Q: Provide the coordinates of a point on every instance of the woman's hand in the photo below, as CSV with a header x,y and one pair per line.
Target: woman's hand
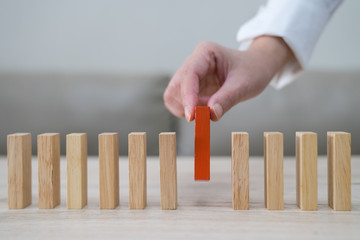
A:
x,y
221,77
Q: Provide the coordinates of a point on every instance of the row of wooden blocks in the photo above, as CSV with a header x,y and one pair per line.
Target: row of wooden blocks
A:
x,y
339,170
19,170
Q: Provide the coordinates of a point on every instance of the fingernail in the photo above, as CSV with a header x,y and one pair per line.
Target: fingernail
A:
x,y
187,114
217,110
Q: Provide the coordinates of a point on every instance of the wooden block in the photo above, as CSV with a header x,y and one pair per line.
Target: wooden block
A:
x,y
76,158
339,170
137,170
306,170
19,170
202,143
274,176
240,170
109,170
168,173
49,170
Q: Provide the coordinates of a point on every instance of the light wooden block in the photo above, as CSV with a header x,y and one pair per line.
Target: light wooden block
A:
x,y
49,170
168,172
240,170
109,170
339,170
76,159
306,170
273,165
19,170
137,170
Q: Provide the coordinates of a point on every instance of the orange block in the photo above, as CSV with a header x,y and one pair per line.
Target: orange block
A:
x,y
202,143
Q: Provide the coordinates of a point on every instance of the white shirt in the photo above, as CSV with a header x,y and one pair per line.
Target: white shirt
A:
x,y
298,22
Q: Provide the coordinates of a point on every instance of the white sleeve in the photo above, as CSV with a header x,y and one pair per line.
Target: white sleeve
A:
x,y
298,22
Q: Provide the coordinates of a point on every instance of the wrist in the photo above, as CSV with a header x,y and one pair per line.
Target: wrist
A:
x,y
271,52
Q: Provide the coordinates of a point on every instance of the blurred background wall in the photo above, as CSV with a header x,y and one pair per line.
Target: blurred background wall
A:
x,y
146,36
93,40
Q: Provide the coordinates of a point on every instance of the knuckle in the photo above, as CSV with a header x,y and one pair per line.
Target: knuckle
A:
x,y
205,46
167,96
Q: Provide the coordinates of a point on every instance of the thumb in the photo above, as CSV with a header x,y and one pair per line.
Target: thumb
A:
x,y
224,99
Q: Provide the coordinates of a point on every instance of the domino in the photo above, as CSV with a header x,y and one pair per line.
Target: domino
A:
x,y
109,170
306,170
76,159
49,170
19,170
273,173
339,170
202,143
137,170
240,170
168,173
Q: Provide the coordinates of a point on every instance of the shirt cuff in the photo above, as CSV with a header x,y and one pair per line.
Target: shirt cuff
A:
x,y
298,22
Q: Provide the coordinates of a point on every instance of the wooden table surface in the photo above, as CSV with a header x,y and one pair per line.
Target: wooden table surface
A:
x,y
204,209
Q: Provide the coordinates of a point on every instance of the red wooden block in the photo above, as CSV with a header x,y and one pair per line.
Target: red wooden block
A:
x,y
202,143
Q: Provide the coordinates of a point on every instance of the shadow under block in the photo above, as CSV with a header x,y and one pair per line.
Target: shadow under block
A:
x,y
202,143
19,170
76,162
273,170
240,170
49,170
137,170
168,172
109,170
306,170
339,170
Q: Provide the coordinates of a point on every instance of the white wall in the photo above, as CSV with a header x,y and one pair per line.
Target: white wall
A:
x,y
143,36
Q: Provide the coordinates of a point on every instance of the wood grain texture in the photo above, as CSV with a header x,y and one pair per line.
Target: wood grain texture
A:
x,y
137,170
306,170
19,170
202,143
168,172
240,170
339,170
109,170
273,170
76,161
204,208
49,170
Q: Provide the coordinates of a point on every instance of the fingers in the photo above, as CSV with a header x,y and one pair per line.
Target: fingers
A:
x,y
195,69
172,99
189,95
172,104
182,95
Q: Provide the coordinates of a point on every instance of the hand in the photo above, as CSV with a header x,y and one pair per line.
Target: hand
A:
x,y
221,77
